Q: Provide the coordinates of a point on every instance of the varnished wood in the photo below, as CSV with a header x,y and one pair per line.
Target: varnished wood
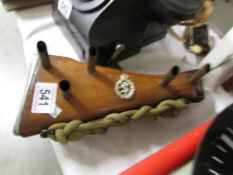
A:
x,y
228,84
93,95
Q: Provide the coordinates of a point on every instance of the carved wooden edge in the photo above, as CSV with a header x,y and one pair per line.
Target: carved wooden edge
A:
x,y
16,128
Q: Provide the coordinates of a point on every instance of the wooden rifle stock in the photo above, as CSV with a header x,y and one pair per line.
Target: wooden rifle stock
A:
x,y
93,95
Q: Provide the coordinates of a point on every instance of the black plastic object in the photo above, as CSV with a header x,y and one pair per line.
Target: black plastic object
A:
x,y
199,36
105,24
215,153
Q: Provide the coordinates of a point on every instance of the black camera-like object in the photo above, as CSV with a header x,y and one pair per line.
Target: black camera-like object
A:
x,y
120,28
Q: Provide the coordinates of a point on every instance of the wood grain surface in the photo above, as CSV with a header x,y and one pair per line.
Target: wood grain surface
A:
x,y
93,95
228,84
10,5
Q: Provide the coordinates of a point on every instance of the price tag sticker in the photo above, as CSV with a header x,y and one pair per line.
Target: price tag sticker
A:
x,y
56,112
65,8
44,99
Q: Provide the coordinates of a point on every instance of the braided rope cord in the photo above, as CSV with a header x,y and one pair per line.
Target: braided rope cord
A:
x,y
74,130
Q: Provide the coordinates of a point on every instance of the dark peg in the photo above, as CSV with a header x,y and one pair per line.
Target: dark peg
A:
x,y
92,60
43,53
64,85
196,76
45,133
169,76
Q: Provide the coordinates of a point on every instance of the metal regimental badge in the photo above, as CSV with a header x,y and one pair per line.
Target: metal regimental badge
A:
x,y
124,87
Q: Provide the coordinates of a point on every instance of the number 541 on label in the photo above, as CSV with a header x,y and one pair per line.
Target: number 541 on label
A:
x,y
44,99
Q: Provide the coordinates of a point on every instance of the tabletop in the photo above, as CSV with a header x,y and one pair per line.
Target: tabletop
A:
x,y
123,146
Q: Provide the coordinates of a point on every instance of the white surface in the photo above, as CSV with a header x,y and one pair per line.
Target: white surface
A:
x,y
18,156
122,146
37,24
221,20
222,50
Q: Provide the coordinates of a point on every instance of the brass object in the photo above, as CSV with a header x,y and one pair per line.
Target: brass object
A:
x,y
169,76
42,49
64,85
92,60
196,76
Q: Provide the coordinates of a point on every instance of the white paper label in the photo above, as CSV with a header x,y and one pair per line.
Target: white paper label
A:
x,y
44,99
65,8
56,112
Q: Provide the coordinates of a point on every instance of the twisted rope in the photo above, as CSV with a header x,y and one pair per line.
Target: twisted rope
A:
x,y
74,130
